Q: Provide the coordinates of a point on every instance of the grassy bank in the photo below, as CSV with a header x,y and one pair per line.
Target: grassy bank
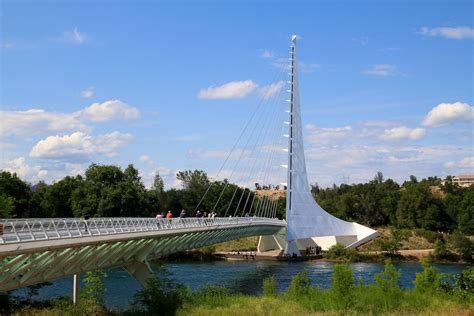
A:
x,y
433,294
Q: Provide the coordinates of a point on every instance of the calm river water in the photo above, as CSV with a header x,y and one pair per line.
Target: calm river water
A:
x,y
239,276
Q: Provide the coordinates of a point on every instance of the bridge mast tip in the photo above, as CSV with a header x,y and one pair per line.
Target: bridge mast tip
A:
x,y
293,38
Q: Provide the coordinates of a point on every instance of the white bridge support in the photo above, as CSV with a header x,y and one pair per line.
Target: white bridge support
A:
x,y
271,242
141,271
34,251
76,287
307,223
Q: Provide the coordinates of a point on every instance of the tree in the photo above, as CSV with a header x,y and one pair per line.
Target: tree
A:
x,y
158,184
6,206
56,200
11,186
379,178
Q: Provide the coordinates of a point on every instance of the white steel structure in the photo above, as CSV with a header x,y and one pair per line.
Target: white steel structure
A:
x,y
307,223
38,250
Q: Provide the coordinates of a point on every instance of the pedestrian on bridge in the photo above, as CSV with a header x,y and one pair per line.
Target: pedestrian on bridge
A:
x,y
182,214
169,215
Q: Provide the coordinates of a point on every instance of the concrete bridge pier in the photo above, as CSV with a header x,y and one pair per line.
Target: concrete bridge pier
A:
x,y
141,271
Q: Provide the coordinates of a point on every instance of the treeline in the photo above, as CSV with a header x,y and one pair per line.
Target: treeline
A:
x,y
109,191
431,203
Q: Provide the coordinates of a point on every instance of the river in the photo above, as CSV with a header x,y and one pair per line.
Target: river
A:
x,y
239,276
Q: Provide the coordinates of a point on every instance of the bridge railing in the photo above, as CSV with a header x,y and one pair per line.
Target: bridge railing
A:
x,y
23,230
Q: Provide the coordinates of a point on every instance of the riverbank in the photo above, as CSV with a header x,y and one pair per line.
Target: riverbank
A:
x,y
346,295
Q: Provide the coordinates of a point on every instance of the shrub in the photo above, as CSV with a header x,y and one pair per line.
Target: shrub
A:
x,y
300,284
270,287
392,244
461,245
340,252
93,290
428,280
210,295
161,296
464,283
389,279
343,284
429,235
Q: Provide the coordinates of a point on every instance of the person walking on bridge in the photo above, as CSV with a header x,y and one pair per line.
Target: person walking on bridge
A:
x,y
169,215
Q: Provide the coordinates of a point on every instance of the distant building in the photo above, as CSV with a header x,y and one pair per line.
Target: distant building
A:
x,y
464,180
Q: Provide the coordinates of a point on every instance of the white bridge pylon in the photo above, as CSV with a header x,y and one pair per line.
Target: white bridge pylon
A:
x,y
307,223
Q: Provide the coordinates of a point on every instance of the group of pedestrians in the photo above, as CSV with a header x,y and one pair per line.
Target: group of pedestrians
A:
x,y
168,215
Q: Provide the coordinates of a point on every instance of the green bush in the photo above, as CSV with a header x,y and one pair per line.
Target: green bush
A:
x,y
300,284
270,287
340,252
93,290
462,245
161,296
428,280
429,235
210,295
343,284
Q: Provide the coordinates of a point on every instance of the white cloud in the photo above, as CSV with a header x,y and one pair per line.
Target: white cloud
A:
x,y
109,110
381,70
23,170
230,90
446,113
463,164
380,123
88,92
79,146
266,92
73,36
403,132
325,135
146,159
458,33
37,121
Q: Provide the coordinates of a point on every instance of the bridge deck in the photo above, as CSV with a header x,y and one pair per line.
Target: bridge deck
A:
x,y
26,230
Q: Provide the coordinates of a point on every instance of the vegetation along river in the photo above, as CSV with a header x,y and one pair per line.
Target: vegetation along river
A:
x,y
239,276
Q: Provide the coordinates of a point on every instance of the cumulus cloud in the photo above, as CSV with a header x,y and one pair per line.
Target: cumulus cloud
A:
x,y
266,92
73,36
381,70
79,146
88,92
23,169
446,113
457,33
37,121
230,90
109,110
403,132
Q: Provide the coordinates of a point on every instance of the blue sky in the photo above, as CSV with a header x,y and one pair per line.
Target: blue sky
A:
x,y
385,85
